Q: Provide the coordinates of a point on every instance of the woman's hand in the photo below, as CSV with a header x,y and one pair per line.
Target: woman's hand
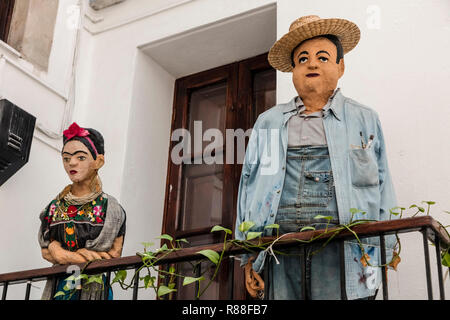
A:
x,y
90,255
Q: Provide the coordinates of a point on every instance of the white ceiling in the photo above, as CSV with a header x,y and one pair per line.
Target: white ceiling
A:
x,y
226,41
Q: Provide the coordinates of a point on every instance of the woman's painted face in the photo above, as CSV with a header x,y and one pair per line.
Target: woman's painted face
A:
x,y
315,68
78,161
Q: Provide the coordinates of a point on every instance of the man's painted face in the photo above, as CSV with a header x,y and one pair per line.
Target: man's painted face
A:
x,y
78,161
316,70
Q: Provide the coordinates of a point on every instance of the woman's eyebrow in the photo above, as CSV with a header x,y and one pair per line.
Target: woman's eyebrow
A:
x,y
323,51
72,154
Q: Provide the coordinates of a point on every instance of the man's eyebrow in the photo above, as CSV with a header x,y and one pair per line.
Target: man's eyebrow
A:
x,y
303,52
72,154
323,51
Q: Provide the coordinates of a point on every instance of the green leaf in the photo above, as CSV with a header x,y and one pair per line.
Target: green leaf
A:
x,y
98,279
172,269
272,226
148,281
147,244
253,235
163,248
171,285
211,255
354,210
419,208
166,237
220,228
307,228
59,293
189,280
429,202
447,212
319,216
163,290
446,259
182,240
82,277
121,275
246,225
70,278
393,212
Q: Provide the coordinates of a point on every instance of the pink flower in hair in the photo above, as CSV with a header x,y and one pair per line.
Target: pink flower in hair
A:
x,y
75,131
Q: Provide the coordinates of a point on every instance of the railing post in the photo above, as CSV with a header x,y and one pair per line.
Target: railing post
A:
x,y
198,273
136,284
230,277
107,286
383,267
5,290
427,262
54,284
437,243
28,291
342,269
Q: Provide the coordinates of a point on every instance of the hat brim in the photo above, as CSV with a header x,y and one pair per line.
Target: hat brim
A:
x,y
280,54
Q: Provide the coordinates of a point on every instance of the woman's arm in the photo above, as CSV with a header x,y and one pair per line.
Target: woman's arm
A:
x,y
48,256
116,250
63,256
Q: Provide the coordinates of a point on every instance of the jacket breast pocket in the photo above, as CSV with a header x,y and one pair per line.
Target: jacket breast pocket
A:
x,y
364,169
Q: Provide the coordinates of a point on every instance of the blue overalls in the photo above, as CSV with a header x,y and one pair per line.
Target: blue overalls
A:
x,y
308,191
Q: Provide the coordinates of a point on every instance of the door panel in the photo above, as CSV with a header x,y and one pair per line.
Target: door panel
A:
x,y
201,191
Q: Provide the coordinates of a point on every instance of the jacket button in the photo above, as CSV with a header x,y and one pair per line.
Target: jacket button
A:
x,y
278,191
271,215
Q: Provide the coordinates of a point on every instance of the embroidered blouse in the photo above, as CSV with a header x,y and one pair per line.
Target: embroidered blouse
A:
x,y
73,225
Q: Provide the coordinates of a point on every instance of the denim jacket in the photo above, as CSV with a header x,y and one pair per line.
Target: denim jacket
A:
x,y
361,176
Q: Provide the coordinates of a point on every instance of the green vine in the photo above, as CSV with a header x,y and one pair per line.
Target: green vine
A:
x,y
163,282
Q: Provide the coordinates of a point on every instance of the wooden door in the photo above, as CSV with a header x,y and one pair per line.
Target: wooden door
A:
x,y
202,190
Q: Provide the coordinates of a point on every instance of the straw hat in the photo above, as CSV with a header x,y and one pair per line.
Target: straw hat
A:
x,y
308,27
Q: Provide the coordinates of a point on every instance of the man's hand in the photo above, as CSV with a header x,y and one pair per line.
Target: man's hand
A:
x,y
62,256
253,282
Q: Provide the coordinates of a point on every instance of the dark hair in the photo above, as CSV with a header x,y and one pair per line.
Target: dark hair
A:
x,y
96,138
332,38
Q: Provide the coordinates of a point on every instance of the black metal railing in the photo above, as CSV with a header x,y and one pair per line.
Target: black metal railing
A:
x,y
431,231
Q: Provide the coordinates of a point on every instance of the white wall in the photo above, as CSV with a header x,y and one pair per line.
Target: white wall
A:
x,y
46,95
400,70
127,96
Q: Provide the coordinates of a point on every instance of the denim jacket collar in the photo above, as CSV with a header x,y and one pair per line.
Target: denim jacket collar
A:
x,y
336,105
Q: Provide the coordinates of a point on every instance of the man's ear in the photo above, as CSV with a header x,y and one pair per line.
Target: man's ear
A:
x,y
100,161
341,67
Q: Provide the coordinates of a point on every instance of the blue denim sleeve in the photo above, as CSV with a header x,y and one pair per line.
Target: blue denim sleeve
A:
x,y
251,159
387,193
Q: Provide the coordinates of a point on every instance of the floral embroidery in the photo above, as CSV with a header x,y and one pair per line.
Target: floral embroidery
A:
x,y
67,216
52,210
72,211
97,210
59,211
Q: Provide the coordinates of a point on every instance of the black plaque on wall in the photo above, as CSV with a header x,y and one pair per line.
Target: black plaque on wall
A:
x,y
16,135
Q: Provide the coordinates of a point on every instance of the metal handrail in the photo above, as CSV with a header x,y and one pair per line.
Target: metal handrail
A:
x,y
429,227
